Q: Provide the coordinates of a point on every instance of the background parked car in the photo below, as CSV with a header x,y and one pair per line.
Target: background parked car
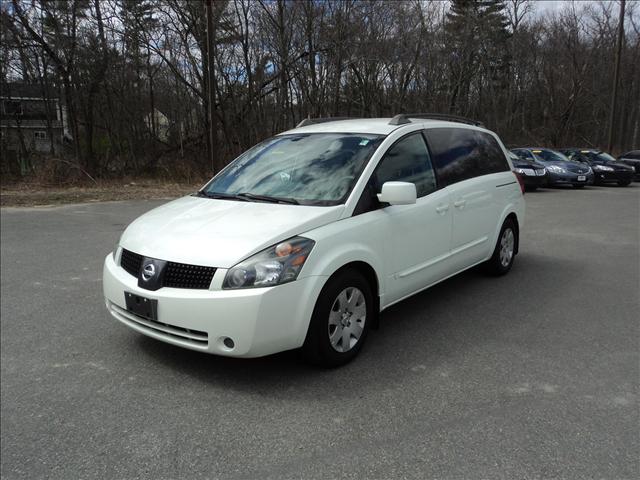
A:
x,y
632,158
533,174
605,167
560,170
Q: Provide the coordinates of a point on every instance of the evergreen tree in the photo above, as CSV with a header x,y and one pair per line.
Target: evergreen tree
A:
x,y
476,35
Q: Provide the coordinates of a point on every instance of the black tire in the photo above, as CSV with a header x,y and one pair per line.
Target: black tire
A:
x,y
495,266
579,186
317,348
624,183
531,189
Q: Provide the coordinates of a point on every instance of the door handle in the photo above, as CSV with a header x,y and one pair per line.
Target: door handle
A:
x,y
459,203
442,208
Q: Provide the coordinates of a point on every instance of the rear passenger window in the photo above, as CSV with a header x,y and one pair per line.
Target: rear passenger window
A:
x,y
407,161
460,153
492,158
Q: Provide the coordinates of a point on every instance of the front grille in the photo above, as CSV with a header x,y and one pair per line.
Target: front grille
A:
x,y
176,275
195,338
131,262
577,169
181,275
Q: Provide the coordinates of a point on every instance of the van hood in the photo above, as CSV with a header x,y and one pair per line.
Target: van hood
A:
x,y
219,233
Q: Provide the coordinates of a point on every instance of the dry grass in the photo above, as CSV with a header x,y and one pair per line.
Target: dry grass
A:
x,y
33,194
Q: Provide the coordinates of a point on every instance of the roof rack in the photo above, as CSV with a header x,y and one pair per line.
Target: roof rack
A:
x,y
403,118
313,121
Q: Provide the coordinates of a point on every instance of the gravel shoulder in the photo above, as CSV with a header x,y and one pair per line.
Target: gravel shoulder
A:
x,y
35,195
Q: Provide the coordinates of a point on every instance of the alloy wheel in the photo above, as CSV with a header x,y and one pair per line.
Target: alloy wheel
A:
x,y
507,243
346,319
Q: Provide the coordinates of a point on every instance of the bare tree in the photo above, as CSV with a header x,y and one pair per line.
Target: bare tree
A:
x,y
149,88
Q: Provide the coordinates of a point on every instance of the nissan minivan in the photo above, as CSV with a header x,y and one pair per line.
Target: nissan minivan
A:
x,y
304,239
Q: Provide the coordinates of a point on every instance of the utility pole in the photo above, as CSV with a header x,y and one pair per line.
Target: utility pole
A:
x,y
211,82
616,74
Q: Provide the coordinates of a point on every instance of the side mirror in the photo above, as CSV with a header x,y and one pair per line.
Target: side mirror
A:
x,y
398,193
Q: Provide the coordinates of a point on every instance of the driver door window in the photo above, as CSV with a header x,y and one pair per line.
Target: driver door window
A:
x,y
407,161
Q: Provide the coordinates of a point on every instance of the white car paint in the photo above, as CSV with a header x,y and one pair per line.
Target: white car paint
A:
x,y
408,247
220,233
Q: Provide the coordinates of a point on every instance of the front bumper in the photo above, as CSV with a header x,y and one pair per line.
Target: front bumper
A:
x,y
569,178
260,321
613,177
534,180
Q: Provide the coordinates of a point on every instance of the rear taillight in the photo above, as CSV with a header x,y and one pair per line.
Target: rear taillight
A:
x,y
519,178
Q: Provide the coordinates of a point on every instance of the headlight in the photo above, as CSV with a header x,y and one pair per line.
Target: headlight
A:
x,y
589,171
556,169
519,170
277,264
602,168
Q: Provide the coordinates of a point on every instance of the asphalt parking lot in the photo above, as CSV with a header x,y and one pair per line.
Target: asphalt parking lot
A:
x,y
532,375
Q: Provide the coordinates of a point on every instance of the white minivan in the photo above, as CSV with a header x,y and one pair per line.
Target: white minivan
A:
x,y
305,238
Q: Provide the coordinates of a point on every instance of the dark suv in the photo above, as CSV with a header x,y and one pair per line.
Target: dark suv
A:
x,y
605,168
533,174
632,159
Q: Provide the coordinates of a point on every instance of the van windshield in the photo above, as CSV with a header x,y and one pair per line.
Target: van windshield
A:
x,y
304,168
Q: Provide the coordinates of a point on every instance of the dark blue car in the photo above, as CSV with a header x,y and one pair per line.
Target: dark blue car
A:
x,y
560,170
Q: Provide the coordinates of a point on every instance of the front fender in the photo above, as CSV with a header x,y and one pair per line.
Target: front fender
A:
x,y
342,242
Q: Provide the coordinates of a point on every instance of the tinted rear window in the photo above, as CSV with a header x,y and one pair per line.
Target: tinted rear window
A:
x,y
460,153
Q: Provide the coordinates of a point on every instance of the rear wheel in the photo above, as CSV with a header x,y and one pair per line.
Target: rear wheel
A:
x,y
340,320
505,251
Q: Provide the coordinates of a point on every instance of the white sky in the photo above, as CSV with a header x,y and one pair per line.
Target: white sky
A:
x,y
545,7
551,5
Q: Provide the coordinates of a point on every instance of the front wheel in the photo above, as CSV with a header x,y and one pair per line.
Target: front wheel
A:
x,y
340,320
624,183
579,186
505,251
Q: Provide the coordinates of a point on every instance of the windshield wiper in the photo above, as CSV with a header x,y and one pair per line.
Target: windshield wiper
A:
x,y
246,197
224,196
268,198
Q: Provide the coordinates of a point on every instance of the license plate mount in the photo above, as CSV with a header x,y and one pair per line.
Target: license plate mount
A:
x,y
582,178
141,306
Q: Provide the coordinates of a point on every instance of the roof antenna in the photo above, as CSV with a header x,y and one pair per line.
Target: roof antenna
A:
x,y
399,119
